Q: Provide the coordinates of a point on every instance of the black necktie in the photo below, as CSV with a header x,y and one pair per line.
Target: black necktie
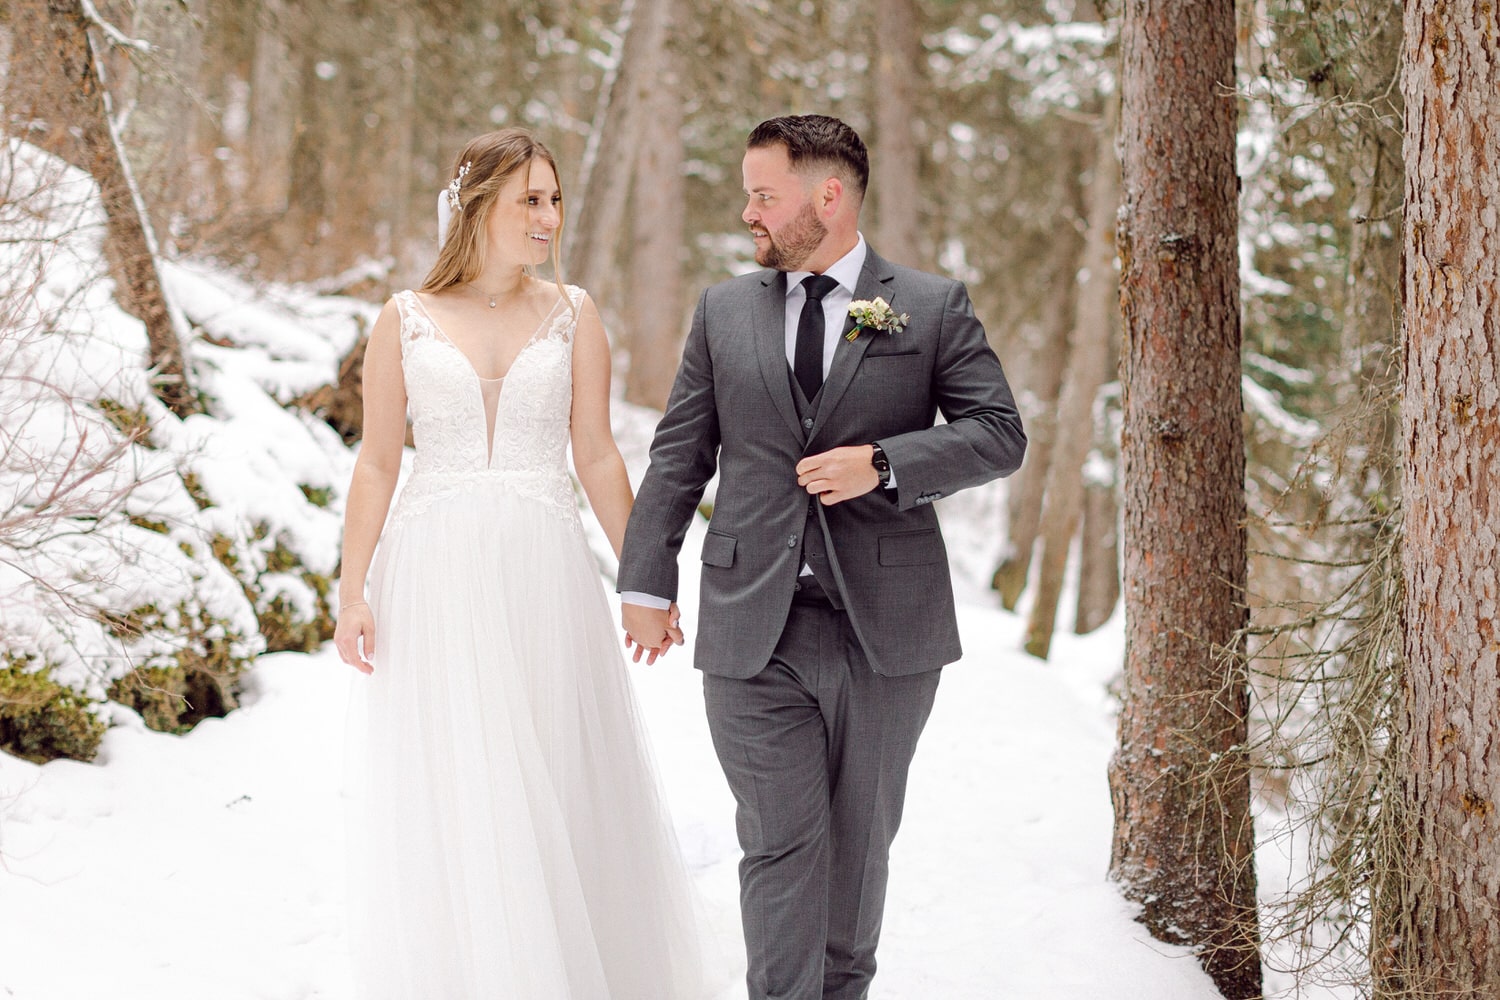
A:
x,y
807,363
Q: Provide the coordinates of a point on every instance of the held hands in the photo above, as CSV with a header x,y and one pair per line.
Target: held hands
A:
x,y
355,637
651,631
839,475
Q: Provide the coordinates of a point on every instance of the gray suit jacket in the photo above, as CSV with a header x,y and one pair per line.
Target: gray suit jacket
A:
x,y
731,407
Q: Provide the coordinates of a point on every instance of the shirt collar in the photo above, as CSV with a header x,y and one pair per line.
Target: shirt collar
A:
x,y
845,270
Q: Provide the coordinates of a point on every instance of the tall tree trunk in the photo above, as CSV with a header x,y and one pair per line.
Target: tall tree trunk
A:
x,y
894,170
655,295
1450,414
273,97
57,35
1088,369
402,128
1099,537
603,208
1183,840
1371,311
1038,381
215,82
307,202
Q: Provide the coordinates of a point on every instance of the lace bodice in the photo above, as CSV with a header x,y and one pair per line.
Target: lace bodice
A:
x,y
446,403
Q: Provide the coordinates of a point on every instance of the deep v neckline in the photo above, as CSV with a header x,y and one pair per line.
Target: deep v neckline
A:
x,y
443,336
488,390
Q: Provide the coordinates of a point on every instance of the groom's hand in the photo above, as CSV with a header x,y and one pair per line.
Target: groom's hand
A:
x,y
652,631
839,475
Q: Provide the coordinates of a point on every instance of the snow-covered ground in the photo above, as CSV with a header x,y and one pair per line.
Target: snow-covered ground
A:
x,y
209,865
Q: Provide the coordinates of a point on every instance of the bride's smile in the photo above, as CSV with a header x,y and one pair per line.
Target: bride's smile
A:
x,y
526,216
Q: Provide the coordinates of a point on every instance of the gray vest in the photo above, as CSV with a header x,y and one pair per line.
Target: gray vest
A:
x,y
814,546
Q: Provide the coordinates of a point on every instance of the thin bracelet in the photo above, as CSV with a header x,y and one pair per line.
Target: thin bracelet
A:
x,y
353,604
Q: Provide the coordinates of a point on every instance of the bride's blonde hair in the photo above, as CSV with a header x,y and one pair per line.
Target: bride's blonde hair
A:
x,y
485,166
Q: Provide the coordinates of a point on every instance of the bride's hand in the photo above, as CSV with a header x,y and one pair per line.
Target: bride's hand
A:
x,y
355,637
651,631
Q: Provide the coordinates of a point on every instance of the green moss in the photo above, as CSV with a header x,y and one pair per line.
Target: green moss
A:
x,y
281,559
223,550
283,626
158,693
40,720
130,421
198,681
285,630
318,496
194,487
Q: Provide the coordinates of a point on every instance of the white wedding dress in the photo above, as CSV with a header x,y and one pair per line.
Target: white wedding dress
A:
x,y
507,835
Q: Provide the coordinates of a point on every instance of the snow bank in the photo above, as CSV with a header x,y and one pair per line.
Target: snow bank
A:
x,y
144,558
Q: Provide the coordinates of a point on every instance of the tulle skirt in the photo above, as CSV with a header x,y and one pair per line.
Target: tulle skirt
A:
x,y
508,839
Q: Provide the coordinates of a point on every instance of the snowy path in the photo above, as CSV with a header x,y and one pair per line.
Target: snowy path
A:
x,y
209,865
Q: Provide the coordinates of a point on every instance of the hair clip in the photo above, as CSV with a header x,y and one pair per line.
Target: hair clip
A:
x,y
455,184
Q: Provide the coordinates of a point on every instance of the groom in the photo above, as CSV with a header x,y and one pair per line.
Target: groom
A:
x,y
827,607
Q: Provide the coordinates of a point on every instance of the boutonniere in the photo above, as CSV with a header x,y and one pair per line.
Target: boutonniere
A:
x,y
876,315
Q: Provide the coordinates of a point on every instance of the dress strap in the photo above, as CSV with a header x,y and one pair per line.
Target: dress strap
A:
x,y
415,323
567,325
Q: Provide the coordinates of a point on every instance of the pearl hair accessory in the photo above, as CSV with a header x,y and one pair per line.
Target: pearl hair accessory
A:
x,y
455,184
448,202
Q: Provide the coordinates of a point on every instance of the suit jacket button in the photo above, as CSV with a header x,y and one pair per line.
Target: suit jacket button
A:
x,y
791,542
807,422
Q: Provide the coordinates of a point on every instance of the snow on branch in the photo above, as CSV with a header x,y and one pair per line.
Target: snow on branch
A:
x,y
115,35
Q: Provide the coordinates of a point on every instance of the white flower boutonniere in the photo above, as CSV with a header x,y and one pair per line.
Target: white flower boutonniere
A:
x,y
876,315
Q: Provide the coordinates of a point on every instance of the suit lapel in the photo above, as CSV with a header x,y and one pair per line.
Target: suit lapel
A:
x,y
875,279
768,325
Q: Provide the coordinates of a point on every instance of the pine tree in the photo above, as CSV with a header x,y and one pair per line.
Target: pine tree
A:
x,y
1183,844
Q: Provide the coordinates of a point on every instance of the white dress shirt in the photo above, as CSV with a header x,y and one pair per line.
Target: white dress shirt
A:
x,y
845,271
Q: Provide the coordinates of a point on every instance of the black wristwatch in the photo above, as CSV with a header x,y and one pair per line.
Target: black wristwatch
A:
x,y
882,465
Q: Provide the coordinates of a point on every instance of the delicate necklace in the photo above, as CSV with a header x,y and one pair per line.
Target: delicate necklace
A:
x,y
489,295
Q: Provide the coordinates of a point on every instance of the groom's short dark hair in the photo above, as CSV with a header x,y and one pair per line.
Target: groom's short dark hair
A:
x,y
817,140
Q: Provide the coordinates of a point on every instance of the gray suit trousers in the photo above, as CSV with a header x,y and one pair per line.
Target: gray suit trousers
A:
x,y
816,748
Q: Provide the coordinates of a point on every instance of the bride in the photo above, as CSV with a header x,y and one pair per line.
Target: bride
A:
x,y
508,838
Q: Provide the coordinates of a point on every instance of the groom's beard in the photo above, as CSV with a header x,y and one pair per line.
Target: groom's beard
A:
x,y
789,249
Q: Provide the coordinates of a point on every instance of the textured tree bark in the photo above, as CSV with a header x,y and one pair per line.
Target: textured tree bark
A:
x,y
1183,840
1445,939
1088,369
56,33
894,168
654,299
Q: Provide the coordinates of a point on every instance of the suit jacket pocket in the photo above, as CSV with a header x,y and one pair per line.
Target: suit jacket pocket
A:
x,y
874,355
910,548
718,549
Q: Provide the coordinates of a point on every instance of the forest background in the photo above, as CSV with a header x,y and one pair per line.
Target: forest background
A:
x,y
304,144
